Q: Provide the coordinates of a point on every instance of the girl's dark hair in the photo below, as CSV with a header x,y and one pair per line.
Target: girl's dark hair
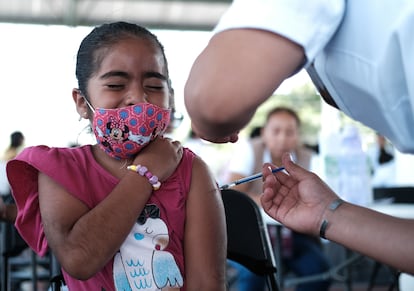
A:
x,y
283,109
95,45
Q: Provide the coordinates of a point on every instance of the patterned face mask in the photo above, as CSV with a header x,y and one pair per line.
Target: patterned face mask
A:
x,y
124,132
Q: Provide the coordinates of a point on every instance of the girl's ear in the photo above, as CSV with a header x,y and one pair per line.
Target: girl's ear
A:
x,y
81,106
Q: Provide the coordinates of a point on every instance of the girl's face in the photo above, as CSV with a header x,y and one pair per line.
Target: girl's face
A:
x,y
132,71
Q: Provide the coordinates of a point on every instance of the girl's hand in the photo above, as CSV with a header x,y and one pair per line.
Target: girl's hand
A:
x,y
161,157
297,199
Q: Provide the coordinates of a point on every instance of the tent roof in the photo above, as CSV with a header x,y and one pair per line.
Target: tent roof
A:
x,y
160,14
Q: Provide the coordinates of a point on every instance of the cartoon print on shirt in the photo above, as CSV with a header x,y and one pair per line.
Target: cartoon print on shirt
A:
x,y
142,263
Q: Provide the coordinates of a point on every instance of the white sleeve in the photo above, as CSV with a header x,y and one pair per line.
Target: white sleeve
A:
x,y
242,160
309,23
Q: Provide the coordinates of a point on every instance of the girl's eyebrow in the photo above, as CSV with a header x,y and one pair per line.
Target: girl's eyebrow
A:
x,y
126,75
114,74
155,75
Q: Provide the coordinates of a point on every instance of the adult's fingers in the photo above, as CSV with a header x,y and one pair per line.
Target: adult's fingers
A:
x,y
294,170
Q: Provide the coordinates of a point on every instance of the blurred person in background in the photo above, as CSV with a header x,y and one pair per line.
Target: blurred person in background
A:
x,y
15,146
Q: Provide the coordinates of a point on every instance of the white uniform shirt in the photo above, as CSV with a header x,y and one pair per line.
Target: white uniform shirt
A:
x,y
366,61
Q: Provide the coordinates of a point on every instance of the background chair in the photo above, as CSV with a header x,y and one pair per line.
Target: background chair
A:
x,y
394,194
57,282
17,268
248,240
19,264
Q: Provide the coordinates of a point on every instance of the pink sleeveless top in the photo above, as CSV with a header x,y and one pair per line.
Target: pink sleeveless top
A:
x,y
78,172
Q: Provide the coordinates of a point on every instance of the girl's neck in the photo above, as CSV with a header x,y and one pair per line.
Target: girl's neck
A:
x,y
116,167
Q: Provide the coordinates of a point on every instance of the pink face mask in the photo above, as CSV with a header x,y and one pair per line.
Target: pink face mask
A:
x,y
124,132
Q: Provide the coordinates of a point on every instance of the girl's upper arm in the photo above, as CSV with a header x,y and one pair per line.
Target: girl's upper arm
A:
x,y
205,232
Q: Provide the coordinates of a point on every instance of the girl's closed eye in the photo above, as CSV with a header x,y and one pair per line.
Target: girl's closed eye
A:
x,y
115,86
156,88
155,85
155,81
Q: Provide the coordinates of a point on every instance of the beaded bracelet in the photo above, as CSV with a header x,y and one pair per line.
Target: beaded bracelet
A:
x,y
143,171
333,206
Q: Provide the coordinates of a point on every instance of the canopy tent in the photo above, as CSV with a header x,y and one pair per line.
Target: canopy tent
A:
x,y
159,14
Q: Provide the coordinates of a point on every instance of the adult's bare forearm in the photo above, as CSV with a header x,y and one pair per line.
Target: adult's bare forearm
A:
x,y
382,237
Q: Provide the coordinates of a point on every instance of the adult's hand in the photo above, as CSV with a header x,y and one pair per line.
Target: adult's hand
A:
x,y
297,198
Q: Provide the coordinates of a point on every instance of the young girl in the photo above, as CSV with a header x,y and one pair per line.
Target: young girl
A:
x,y
136,211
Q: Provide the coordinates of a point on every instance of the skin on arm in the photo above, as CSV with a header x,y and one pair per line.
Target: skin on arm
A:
x,y
385,238
301,200
84,240
205,233
237,71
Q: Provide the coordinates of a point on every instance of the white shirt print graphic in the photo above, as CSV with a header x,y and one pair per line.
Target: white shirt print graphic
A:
x,y
142,263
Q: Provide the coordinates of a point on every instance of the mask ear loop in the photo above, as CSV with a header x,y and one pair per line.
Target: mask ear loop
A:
x,y
88,127
87,102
